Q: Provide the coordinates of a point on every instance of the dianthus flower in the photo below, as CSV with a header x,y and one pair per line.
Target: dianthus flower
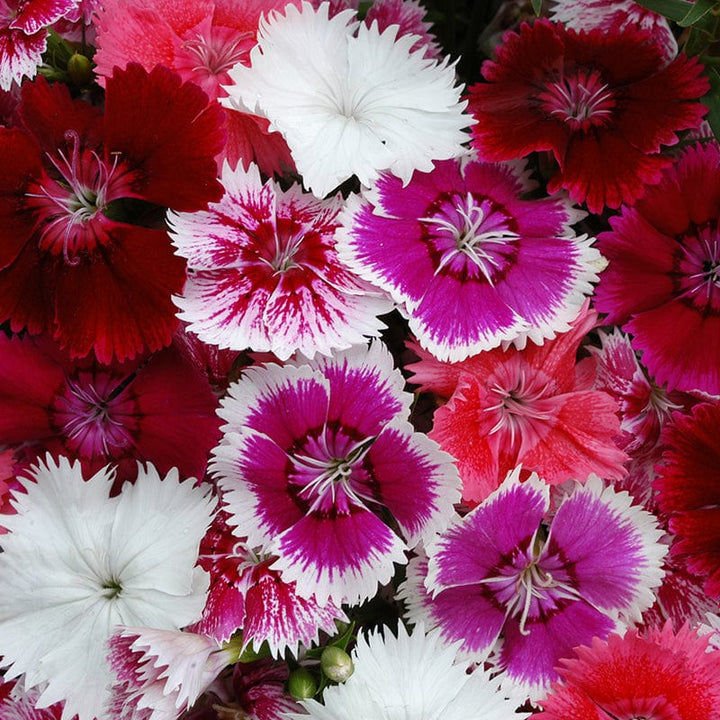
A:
x,y
688,490
470,263
315,460
201,40
531,589
609,15
664,272
161,673
661,674
23,35
265,273
535,406
412,676
158,409
78,562
364,103
604,103
247,594
72,263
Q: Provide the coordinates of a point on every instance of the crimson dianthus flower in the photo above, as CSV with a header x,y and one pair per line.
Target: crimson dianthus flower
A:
x,y
604,103
77,257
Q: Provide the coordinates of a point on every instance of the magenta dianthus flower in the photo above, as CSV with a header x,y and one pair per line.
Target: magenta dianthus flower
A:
x,y
314,461
540,586
468,260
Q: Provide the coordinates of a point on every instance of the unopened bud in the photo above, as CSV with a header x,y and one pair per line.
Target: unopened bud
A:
x,y
336,664
301,684
79,69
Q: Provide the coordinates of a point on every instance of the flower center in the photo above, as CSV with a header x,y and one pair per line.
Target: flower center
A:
x,y
581,100
697,268
93,416
472,233
220,50
111,588
70,208
328,481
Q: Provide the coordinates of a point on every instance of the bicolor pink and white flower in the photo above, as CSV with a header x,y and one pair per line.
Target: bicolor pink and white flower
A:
x,y
657,674
664,272
411,675
247,594
410,17
604,103
76,562
265,274
470,262
535,406
317,458
161,673
508,579
23,35
361,103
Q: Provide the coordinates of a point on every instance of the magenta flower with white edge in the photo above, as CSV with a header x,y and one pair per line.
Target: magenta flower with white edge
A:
x,y
246,594
348,98
469,261
512,585
313,459
77,562
161,673
264,272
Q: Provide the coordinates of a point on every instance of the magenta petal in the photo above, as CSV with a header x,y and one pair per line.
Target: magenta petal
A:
x,y
20,55
611,546
34,15
529,660
341,557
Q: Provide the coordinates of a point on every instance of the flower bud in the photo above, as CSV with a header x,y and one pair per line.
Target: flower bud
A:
x,y
79,69
336,664
301,684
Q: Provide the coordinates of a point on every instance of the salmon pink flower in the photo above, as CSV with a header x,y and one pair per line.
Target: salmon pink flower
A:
x,y
689,493
315,462
535,406
265,274
604,103
468,260
659,674
664,272
507,578
75,261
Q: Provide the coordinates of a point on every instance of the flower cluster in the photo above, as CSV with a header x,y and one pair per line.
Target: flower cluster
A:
x,y
359,360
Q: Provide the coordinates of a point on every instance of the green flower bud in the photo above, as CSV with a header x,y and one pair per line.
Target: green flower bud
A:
x,y
336,664
79,69
301,684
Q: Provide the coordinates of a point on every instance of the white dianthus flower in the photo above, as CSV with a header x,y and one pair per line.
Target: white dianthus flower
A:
x,y
349,99
77,562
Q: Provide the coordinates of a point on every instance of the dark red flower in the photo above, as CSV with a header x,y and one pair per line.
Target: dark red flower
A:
x,y
688,490
159,410
604,103
80,257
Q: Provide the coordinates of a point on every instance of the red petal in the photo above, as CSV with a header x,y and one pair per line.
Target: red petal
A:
x,y
166,130
117,301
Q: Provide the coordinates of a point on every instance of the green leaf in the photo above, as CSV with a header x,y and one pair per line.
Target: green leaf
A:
x,y
712,100
537,7
672,9
699,9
